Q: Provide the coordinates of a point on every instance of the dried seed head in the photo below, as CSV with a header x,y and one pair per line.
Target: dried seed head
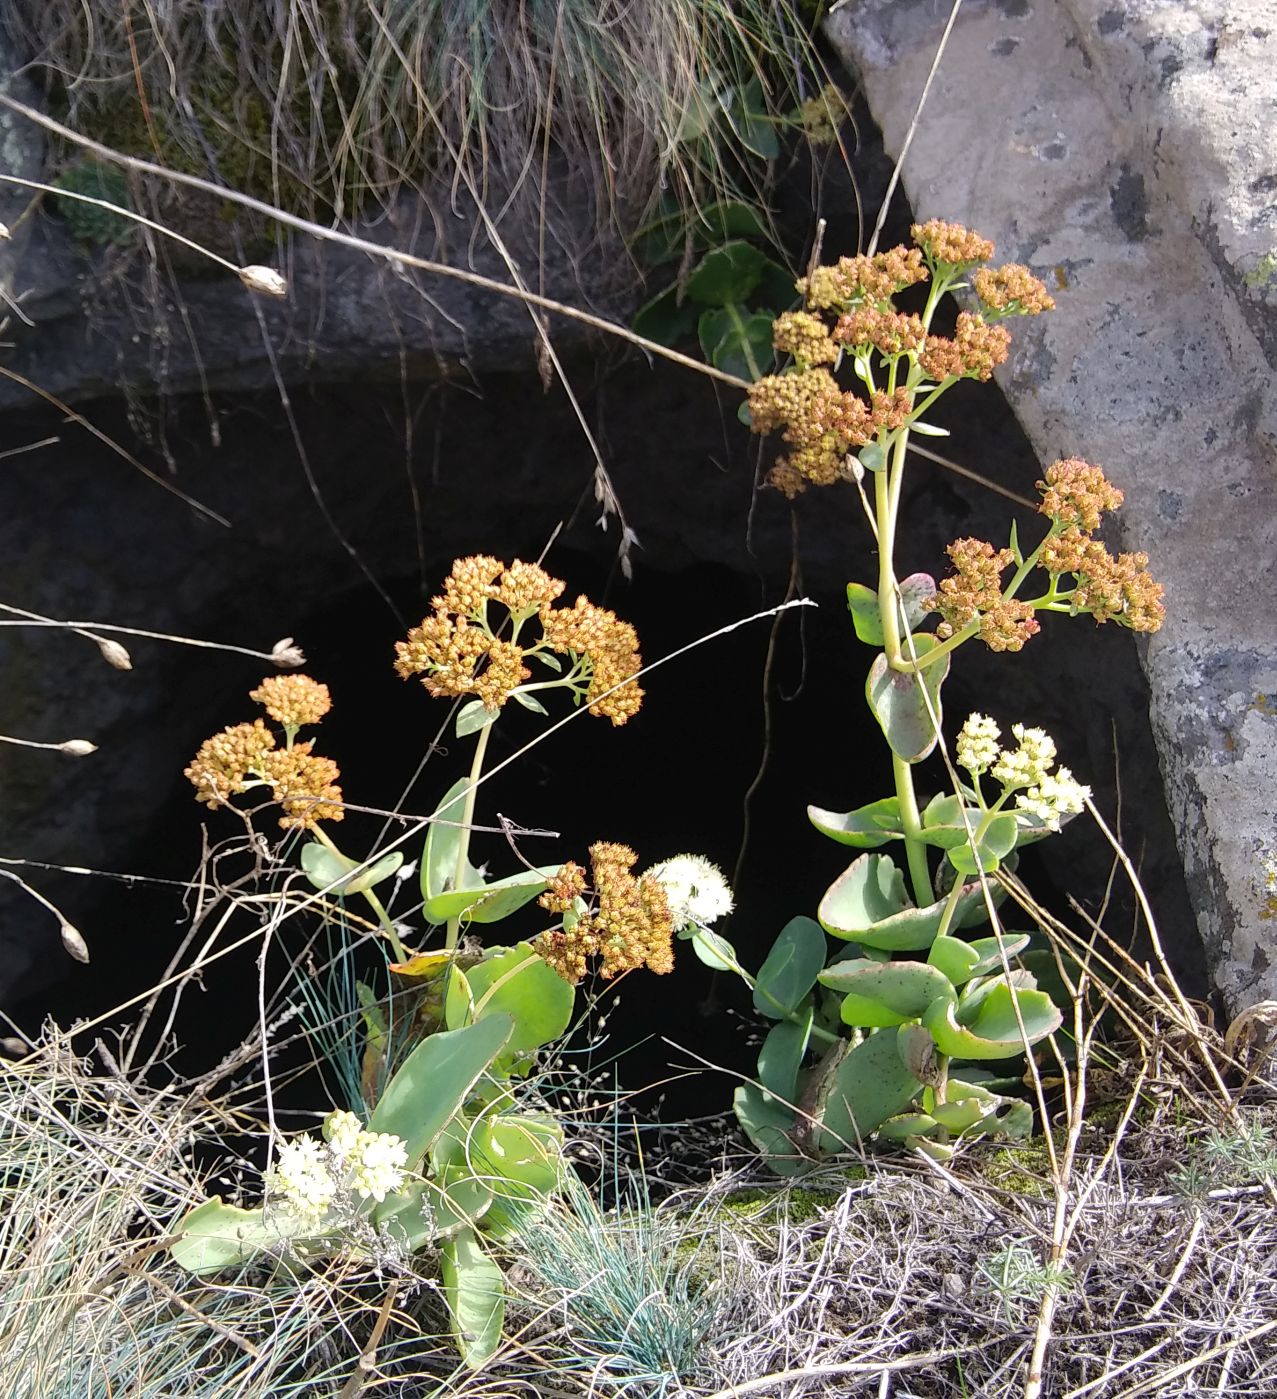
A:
x,y
74,943
113,653
287,656
264,280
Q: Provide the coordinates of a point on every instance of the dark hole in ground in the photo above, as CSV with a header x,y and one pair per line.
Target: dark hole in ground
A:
x,y
495,473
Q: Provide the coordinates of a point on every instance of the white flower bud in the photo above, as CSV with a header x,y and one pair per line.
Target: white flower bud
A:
x,y
978,744
78,747
341,1132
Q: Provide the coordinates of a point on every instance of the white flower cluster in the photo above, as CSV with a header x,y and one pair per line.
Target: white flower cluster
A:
x,y
1025,769
1028,764
309,1177
1054,796
978,744
302,1177
696,889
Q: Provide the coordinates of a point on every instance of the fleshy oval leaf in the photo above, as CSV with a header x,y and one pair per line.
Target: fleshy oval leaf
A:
x,y
994,1032
791,968
958,960
905,988
898,702
865,828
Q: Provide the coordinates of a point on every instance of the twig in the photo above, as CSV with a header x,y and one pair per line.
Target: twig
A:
x,y
349,240
1161,1382
214,1325
913,126
367,1361
102,437
1199,1223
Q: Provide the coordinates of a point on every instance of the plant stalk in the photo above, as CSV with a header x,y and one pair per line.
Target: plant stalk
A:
x,y
467,820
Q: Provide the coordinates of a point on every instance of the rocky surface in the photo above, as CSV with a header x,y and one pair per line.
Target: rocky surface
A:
x,y
1128,153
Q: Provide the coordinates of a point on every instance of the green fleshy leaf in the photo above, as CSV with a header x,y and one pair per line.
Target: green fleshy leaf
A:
x,y
489,903
993,1032
519,1156
726,274
865,828
866,617
335,873
908,1124
711,948
958,960
997,842
781,1057
528,701
897,701
867,1014
790,970
443,841
873,456
942,823
870,1085
904,988
748,118
215,1235
868,891
924,429
990,959
766,1123
667,319
474,1288
737,341
475,716
866,904
515,982
862,602
434,1081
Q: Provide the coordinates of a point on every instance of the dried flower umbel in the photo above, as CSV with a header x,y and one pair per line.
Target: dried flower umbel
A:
x,y
628,923
483,632
246,756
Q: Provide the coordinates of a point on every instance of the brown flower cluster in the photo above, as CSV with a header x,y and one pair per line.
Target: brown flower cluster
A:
x,y
630,928
612,648
950,243
891,333
862,278
974,590
1012,290
821,423
804,336
976,350
246,755
1111,589
293,700
523,588
455,656
457,651
1076,493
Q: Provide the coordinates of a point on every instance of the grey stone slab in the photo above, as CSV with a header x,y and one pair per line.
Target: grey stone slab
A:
x,y
1126,152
